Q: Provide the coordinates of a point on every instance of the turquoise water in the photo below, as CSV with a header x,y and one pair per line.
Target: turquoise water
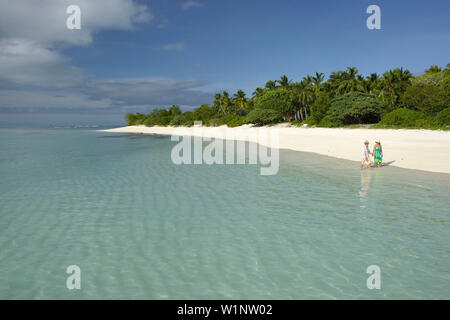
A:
x,y
140,227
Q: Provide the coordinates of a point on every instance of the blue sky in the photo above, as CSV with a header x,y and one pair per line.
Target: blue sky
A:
x,y
137,55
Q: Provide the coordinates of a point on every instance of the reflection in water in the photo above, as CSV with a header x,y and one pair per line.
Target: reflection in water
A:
x,y
371,180
366,178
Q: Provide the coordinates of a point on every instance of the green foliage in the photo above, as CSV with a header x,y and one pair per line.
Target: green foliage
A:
x,y
204,113
327,123
135,119
391,87
402,118
158,117
236,121
230,120
433,69
310,121
443,118
345,98
190,118
174,111
298,123
185,119
263,116
320,107
426,97
279,100
178,120
353,108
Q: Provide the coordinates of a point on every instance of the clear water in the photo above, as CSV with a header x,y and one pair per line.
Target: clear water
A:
x,y
141,227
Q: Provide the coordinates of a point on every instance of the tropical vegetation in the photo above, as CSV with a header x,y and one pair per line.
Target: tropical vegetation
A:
x,y
395,99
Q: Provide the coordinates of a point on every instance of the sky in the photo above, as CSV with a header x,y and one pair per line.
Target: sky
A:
x,y
136,55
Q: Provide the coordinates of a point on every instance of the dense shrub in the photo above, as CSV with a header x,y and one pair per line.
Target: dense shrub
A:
x,y
179,120
189,116
403,118
204,113
353,108
184,119
158,117
279,100
319,108
308,122
174,111
327,123
135,119
236,122
427,98
443,118
230,120
263,116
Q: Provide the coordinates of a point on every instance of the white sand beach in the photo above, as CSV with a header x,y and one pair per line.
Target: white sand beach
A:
x,y
426,150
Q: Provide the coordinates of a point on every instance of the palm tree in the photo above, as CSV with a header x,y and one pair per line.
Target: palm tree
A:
x,y
371,83
258,92
404,77
317,79
388,93
239,99
337,76
302,93
433,69
226,102
174,110
218,102
308,80
271,85
394,82
350,82
284,81
222,102
335,80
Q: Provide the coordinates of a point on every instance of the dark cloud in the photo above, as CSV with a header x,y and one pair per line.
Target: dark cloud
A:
x,y
151,92
135,93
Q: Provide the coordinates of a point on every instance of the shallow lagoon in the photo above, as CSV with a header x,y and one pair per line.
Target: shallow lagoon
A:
x,y
139,226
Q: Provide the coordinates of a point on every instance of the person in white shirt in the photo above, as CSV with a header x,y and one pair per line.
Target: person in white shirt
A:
x,y
365,155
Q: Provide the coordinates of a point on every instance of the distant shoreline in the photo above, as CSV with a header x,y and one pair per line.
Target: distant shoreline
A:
x,y
427,150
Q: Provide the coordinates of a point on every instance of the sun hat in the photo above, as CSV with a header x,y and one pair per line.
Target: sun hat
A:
x,y
366,142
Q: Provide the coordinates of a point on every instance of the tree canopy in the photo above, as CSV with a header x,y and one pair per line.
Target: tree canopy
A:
x,y
346,97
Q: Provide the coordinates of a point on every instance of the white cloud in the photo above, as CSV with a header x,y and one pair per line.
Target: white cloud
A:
x,y
33,71
177,46
190,4
26,63
31,31
35,74
44,21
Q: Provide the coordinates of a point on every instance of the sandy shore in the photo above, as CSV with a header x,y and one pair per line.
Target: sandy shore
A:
x,y
411,149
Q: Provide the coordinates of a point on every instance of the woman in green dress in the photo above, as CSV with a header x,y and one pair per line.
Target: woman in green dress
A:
x,y
377,154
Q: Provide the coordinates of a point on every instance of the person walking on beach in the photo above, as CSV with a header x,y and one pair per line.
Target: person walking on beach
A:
x,y
377,154
365,155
